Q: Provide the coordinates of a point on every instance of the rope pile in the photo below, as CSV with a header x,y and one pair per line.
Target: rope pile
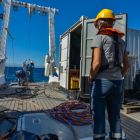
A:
x,y
73,112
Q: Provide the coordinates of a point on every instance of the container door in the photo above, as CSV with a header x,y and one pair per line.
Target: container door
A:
x,y
88,35
64,60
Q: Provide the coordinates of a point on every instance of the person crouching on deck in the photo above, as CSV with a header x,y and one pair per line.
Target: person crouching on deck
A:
x,y
22,77
108,67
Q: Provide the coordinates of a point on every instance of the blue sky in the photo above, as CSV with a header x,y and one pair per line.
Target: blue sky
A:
x,y
31,35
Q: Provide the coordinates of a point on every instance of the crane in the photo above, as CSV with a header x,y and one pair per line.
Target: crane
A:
x,y
3,38
31,8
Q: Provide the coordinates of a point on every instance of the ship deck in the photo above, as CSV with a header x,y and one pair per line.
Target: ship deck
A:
x,y
40,97
35,97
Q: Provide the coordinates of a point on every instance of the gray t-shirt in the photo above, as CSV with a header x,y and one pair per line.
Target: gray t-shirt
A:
x,y
107,45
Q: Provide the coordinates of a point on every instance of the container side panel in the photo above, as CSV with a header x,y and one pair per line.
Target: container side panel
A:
x,y
64,61
64,55
62,80
133,47
89,32
64,42
133,44
89,50
120,24
88,64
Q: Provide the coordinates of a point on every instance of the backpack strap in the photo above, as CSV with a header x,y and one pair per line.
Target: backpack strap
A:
x,y
116,56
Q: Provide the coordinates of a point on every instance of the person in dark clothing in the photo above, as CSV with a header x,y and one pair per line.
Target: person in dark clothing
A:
x,y
22,78
31,70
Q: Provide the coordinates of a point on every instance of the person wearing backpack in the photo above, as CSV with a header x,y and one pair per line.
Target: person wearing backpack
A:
x,y
109,66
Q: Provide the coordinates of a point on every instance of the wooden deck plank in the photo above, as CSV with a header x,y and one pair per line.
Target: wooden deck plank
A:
x,y
28,106
49,105
4,103
9,103
131,124
12,104
47,102
48,98
131,127
56,97
16,107
2,107
19,105
51,101
35,106
32,106
131,108
136,116
42,100
34,100
39,103
24,106
1,102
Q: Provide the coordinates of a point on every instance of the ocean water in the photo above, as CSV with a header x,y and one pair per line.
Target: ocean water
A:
x,y
11,77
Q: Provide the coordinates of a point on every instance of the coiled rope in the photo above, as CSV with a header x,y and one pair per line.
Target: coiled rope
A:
x,y
73,112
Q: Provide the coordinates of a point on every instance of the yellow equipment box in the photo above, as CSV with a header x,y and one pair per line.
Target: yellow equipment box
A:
x,y
74,83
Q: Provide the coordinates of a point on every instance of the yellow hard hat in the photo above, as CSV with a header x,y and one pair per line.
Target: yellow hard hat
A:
x,y
105,13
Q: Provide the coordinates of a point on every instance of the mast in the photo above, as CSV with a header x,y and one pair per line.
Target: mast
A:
x,y
52,39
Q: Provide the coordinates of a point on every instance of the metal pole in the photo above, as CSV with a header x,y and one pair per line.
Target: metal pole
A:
x,y
3,39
